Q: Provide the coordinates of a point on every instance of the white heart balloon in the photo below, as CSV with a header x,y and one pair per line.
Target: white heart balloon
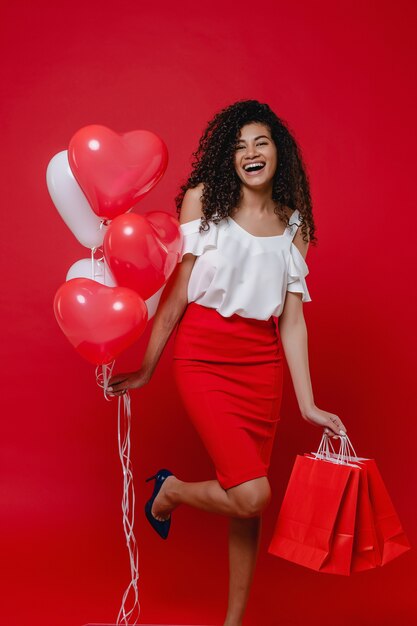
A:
x,y
72,204
99,271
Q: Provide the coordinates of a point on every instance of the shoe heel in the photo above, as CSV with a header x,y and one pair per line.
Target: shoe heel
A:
x,y
150,478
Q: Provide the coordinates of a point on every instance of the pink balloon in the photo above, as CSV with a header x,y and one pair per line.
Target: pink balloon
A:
x,y
143,251
116,170
99,321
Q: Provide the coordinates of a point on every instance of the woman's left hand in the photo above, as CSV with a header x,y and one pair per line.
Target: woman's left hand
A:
x,y
329,421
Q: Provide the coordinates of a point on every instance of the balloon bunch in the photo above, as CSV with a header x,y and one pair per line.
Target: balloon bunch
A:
x,y
107,299
104,305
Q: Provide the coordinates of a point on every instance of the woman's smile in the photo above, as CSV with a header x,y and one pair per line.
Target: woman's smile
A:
x,y
252,169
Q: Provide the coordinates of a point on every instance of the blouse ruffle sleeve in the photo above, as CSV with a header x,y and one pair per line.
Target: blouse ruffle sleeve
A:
x,y
196,242
297,271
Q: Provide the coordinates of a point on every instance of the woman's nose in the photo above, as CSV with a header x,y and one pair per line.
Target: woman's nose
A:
x,y
251,151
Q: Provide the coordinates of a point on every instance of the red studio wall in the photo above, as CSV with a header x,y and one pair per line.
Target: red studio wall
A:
x,y
342,74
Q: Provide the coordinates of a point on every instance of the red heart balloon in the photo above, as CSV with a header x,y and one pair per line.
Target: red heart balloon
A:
x,y
116,170
143,251
99,321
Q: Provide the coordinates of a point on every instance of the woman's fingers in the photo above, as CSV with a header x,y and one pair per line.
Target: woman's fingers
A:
x,y
117,386
120,378
123,382
336,431
117,383
331,433
116,392
336,426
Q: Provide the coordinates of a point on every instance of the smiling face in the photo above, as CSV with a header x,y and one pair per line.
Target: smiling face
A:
x,y
256,156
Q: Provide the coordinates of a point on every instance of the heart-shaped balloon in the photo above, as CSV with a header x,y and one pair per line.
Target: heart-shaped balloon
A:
x,y
143,251
99,321
116,170
72,204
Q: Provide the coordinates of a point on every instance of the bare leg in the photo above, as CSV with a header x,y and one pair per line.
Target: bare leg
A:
x,y
243,500
208,495
244,539
243,504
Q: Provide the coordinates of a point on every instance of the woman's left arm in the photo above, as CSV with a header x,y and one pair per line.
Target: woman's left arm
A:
x,y
294,339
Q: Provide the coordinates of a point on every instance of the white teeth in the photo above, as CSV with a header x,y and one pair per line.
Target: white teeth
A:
x,y
249,166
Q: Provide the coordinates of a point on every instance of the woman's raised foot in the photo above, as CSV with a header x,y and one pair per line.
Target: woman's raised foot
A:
x,y
164,502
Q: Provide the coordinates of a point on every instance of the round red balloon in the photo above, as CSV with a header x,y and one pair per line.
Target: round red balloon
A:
x,y
143,251
116,170
99,321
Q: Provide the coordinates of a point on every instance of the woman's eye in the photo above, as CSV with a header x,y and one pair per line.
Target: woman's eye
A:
x,y
262,143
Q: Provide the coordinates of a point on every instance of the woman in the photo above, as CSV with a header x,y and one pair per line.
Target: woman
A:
x,y
236,301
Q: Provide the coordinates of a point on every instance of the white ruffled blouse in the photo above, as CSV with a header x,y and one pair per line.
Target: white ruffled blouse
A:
x,y
237,272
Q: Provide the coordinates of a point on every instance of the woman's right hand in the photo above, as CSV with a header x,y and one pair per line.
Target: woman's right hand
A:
x,y
120,383
331,423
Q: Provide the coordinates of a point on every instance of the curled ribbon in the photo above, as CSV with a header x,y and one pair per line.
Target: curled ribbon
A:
x,y
124,418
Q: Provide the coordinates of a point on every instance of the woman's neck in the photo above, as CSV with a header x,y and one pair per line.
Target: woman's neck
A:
x,y
256,200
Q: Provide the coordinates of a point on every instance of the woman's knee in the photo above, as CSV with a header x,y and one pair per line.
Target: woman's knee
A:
x,y
252,497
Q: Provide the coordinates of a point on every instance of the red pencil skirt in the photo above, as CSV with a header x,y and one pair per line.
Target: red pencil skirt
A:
x,y
229,374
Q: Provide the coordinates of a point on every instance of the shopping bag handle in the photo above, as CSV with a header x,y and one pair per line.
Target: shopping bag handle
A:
x,y
343,456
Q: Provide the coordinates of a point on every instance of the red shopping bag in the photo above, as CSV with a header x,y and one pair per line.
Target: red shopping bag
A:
x,y
316,521
384,529
390,535
366,553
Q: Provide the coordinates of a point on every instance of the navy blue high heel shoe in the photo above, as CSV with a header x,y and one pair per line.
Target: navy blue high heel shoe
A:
x,y
161,527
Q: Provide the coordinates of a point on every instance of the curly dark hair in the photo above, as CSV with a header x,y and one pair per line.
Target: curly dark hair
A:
x,y
213,166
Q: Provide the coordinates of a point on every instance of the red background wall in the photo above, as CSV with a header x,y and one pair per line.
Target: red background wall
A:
x,y
343,76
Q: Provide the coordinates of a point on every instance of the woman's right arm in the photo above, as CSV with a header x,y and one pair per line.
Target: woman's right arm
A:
x,y
171,306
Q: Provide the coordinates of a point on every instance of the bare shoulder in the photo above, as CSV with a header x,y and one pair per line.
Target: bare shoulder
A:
x,y
191,208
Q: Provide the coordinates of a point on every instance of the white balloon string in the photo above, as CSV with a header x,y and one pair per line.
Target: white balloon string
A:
x,y
128,508
92,263
95,262
124,418
103,377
